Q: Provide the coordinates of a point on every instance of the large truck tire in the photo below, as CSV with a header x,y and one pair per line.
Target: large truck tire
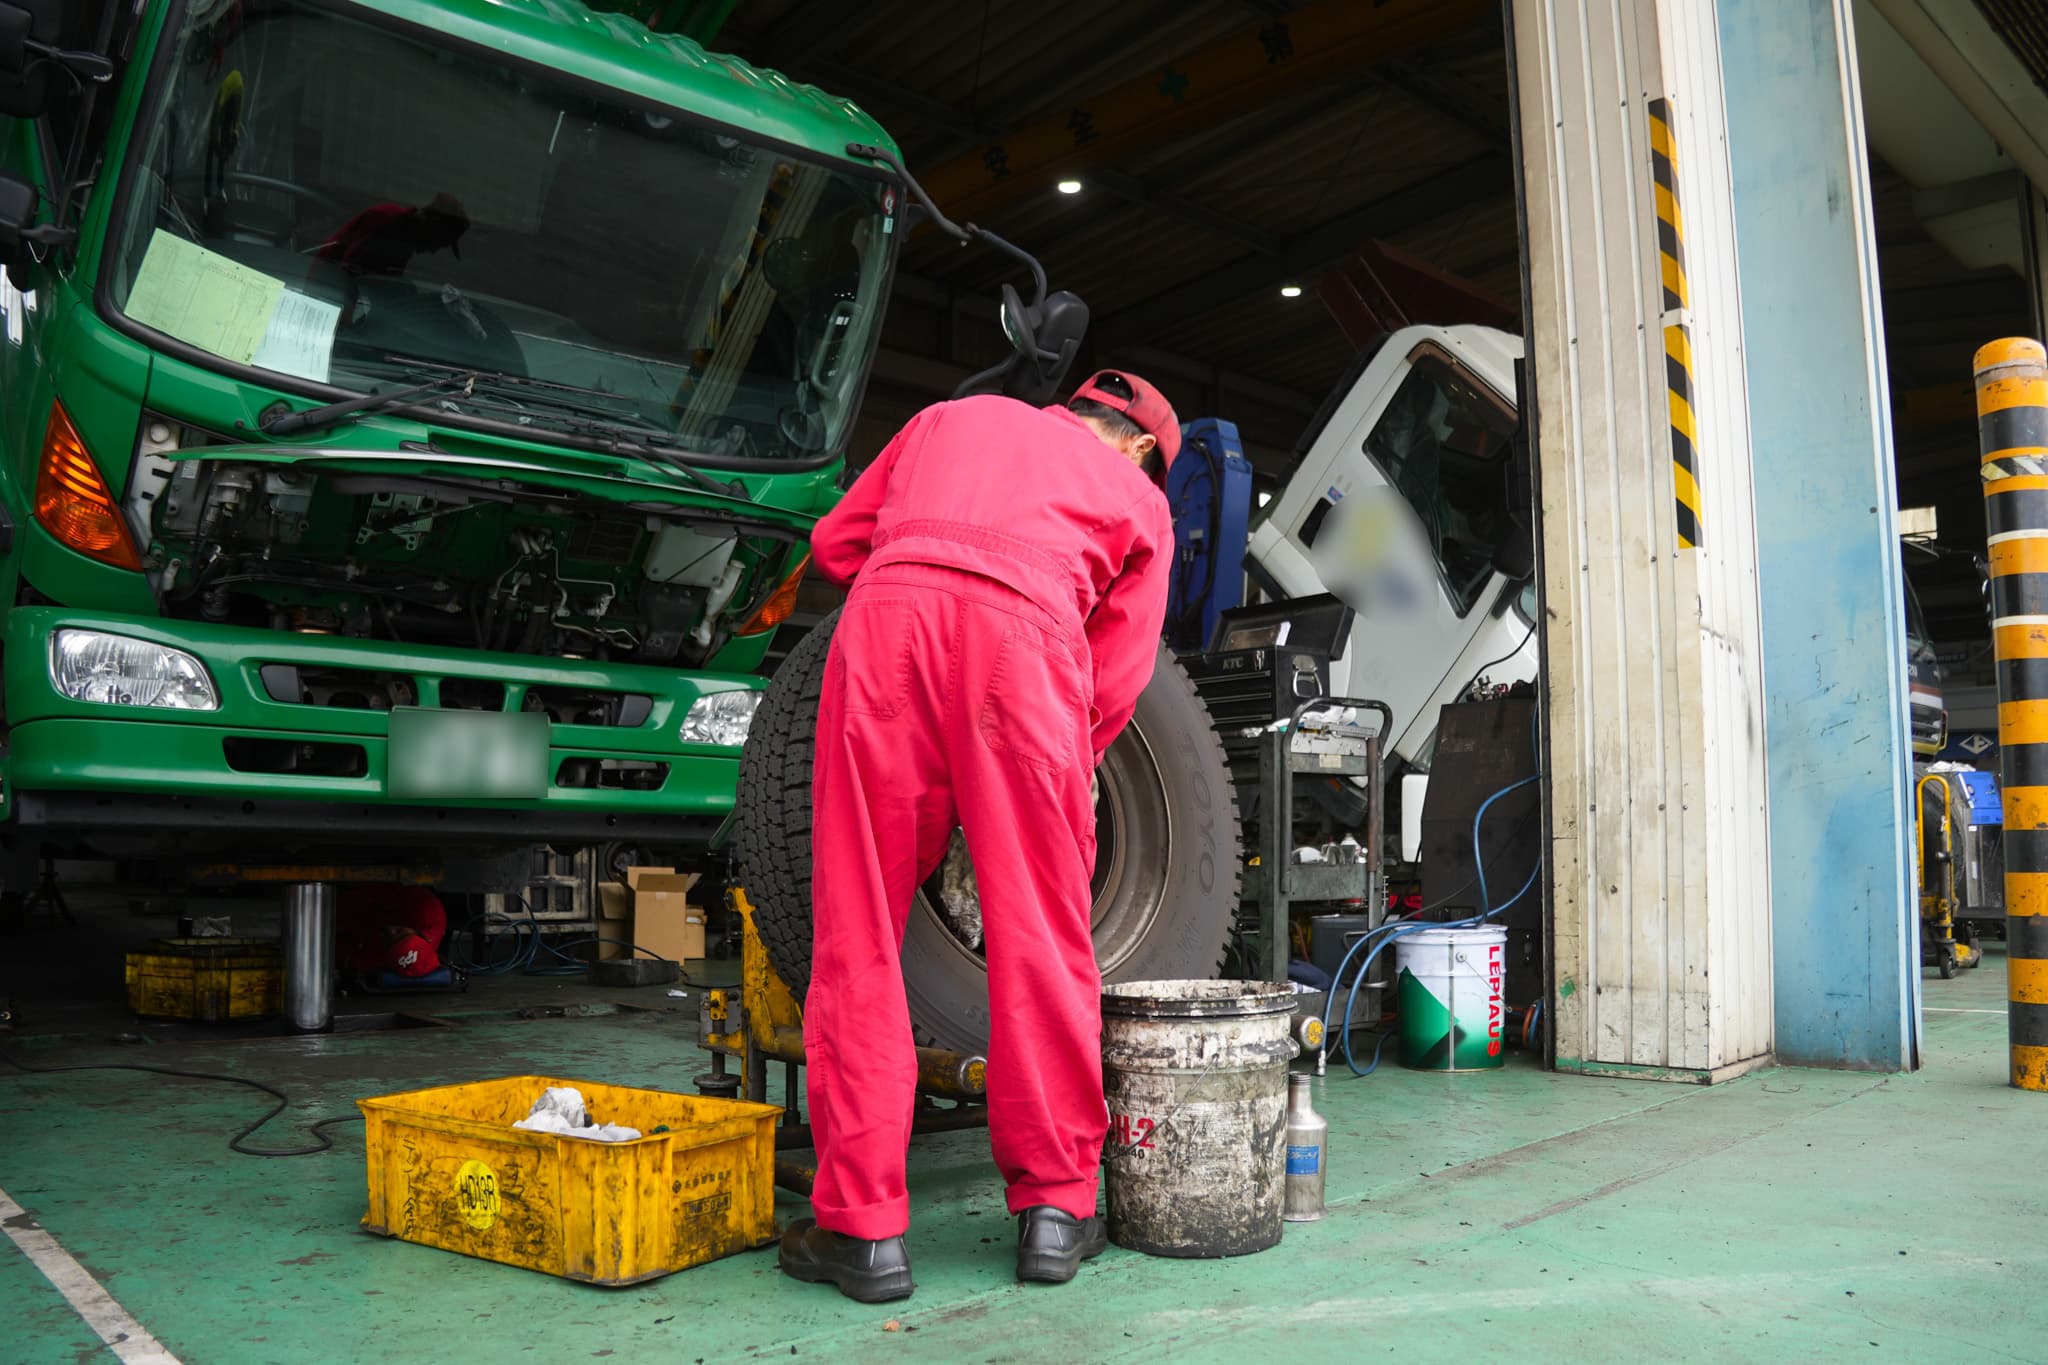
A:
x,y
1167,868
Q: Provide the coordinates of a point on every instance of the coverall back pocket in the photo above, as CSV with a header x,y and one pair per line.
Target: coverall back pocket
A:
x,y
1032,708
872,646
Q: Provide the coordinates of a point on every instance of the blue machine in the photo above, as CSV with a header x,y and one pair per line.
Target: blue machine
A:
x,y
1210,490
1980,793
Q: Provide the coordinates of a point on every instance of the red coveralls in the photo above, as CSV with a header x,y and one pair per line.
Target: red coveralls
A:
x,y
366,918
1012,582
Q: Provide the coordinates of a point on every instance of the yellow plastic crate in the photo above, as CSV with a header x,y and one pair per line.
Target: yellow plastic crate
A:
x,y
447,1169
206,979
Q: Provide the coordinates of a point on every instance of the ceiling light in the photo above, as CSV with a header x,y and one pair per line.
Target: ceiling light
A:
x,y
1069,187
1290,291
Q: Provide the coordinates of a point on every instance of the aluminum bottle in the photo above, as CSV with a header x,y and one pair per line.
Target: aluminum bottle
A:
x,y
1308,1151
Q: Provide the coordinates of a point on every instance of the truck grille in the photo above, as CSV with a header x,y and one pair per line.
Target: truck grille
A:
x,y
298,758
1930,728
363,689
612,774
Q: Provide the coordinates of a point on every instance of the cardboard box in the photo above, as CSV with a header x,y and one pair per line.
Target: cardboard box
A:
x,y
664,921
635,874
614,920
615,911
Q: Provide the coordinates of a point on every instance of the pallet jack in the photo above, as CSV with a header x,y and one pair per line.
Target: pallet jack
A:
x,y
1946,943
759,1022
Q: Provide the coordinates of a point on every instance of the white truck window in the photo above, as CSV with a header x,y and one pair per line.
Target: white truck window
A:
x,y
1443,442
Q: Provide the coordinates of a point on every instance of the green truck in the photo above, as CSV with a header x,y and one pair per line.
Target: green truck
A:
x,y
413,414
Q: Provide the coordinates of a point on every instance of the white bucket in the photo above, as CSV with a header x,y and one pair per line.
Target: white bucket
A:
x,y
1453,1014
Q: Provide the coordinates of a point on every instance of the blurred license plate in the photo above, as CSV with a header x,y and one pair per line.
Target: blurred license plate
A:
x,y
466,755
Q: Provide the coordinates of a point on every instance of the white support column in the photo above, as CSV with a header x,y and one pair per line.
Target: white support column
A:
x,y
1659,833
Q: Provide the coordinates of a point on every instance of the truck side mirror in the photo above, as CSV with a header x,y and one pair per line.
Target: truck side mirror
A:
x,y
1054,330
17,29
1515,556
30,33
1044,338
25,27
18,226
18,200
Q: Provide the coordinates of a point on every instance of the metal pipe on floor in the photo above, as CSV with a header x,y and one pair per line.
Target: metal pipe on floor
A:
x,y
2012,430
309,957
945,1075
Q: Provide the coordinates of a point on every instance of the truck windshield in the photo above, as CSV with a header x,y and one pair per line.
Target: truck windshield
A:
x,y
363,205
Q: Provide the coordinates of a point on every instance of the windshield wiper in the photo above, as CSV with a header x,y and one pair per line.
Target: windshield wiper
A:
x,y
636,437
621,438
550,401
282,421
667,459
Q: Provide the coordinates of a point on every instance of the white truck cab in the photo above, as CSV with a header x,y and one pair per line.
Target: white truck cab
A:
x,y
1404,508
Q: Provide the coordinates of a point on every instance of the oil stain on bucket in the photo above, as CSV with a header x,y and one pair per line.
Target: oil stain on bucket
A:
x,y
1195,1073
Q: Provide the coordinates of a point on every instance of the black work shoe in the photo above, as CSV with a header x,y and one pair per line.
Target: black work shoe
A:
x,y
1052,1243
867,1272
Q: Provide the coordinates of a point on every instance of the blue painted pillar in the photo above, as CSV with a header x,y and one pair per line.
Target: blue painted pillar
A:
x,y
1844,932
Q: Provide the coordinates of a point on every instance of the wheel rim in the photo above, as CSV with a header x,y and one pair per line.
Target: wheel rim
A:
x,y
1134,836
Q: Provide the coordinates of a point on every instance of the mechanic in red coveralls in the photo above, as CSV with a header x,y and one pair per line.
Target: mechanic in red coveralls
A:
x,y
389,929
1009,573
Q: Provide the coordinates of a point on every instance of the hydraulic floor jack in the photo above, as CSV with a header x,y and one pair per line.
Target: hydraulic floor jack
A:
x,y
759,1023
1946,943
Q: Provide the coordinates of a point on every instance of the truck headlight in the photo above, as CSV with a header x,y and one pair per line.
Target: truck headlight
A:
x,y
723,719
91,665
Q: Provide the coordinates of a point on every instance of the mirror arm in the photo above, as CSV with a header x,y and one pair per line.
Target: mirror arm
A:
x,y
975,382
49,234
77,179
961,233
1037,270
89,66
868,152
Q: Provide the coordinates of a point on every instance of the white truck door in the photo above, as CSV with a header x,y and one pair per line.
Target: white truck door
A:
x,y
1400,509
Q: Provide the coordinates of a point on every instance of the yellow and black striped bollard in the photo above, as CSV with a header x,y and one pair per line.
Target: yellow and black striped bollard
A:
x,y
2012,431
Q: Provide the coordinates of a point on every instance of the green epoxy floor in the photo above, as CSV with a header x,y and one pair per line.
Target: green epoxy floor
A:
x,y
1790,1214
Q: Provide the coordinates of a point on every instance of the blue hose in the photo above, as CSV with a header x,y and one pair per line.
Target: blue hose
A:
x,y
1478,858
528,946
1374,1064
1403,928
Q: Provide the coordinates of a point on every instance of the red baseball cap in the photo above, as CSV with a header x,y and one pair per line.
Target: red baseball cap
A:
x,y
1139,401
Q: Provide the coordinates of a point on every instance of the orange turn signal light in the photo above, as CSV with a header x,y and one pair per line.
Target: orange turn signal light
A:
x,y
73,502
781,603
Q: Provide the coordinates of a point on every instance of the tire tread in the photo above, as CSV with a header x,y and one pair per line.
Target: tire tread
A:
x,y
773,842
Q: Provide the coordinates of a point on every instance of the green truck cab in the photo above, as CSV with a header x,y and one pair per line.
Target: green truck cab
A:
x,y
414,411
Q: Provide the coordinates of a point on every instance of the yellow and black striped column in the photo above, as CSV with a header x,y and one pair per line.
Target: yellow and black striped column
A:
x,y
2012,430
1677,332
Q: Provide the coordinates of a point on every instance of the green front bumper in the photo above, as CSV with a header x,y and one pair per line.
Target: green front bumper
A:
x,y
71,765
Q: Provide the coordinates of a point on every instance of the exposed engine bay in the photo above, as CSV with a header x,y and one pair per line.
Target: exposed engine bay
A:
x,y
484,562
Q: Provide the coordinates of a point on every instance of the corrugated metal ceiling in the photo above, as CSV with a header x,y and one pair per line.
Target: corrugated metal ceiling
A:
x,y
1220,194
1223,209
2024,26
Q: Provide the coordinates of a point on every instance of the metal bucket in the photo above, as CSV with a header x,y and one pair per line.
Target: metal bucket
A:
x,y
1453,1016
1195,1073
